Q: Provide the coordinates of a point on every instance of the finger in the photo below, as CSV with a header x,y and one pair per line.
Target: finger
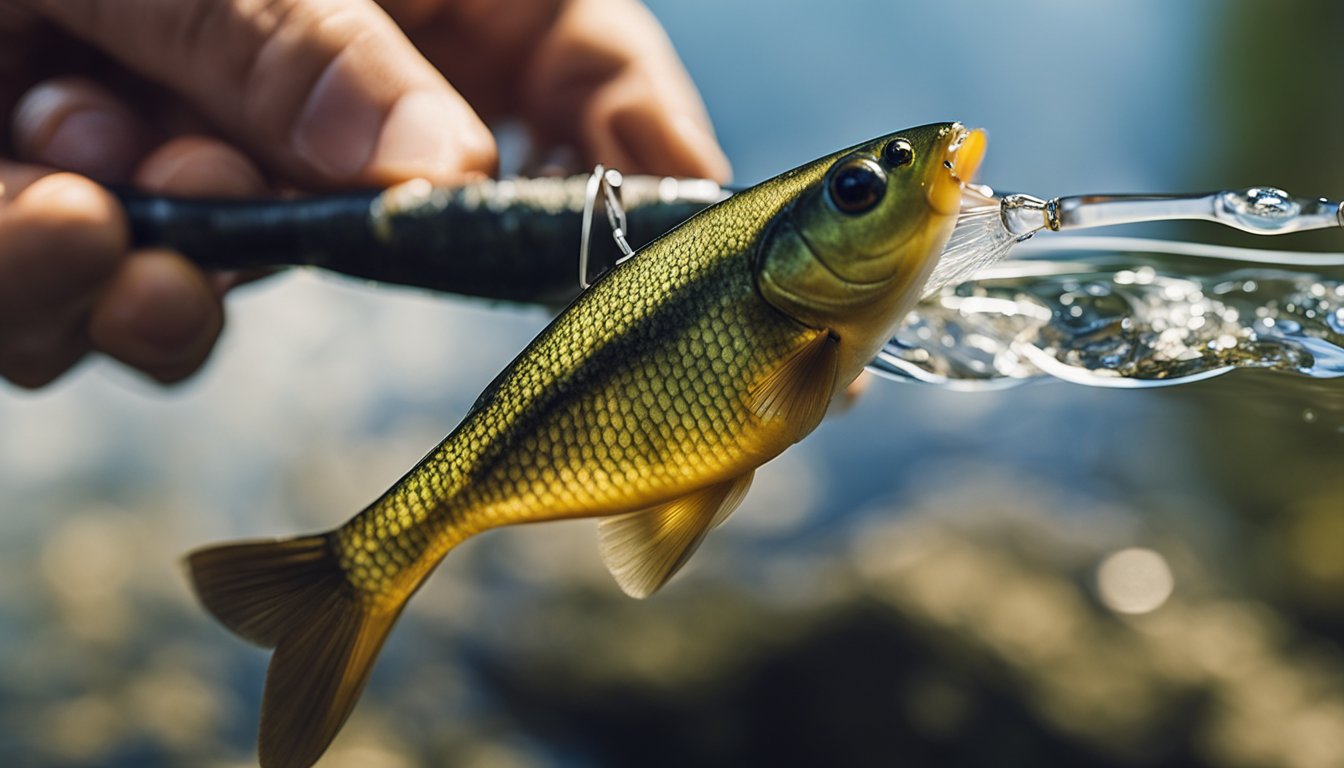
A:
x,y
199,166
326,91
158,314
37,359
61,236
608,67
77,125
15,178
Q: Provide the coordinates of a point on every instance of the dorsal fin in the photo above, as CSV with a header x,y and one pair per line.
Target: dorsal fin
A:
x,y
799,390
644,549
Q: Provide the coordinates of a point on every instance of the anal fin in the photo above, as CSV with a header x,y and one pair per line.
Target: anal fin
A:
x,y
799,391
644,549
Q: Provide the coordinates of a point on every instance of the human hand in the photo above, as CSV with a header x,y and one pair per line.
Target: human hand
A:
x,y
226,97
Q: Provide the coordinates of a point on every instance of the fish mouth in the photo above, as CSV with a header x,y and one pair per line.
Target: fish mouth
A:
x,y
961,159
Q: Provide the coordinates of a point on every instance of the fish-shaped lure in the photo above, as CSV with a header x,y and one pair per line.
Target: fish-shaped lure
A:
x,y
648,403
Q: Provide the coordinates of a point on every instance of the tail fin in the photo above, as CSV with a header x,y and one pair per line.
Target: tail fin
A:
x,y
293,596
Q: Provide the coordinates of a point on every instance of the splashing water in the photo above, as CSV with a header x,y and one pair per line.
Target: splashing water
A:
x,y
979,240
1120,314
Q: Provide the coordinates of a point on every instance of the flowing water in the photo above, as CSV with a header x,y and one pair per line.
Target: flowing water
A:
x,y
1125,313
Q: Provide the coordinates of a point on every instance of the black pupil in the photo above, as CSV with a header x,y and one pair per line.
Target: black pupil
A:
x,y
857,188
898,153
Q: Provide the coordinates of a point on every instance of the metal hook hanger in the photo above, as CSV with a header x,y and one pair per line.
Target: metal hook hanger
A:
x,y
606,183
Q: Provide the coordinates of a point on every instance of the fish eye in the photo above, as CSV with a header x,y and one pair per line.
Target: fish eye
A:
x,y
857,186
898,152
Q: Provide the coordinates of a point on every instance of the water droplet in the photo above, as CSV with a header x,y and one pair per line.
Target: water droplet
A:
x,y
1263,204
1309,416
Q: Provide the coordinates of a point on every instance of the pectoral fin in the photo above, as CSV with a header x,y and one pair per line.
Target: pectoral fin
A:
x,y
644,549
799,390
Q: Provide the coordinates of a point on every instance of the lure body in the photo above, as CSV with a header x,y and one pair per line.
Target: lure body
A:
x,y
509,239
648,403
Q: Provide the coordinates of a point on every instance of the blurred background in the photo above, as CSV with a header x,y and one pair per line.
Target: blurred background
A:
x,y
1046,575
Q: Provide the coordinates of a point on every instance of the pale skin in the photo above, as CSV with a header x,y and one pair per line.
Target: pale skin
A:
x,y
249,97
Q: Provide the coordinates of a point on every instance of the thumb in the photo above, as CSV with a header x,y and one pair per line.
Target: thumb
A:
x,y
326,92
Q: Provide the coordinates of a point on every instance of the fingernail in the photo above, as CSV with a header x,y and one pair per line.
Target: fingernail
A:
x,y
52,127
194,167
433,135
346,135
339,125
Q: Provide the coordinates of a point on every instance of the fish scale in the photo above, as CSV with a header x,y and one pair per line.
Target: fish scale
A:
x,y
609,409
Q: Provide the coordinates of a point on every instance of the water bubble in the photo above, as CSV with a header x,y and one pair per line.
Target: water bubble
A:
x,y
1309,416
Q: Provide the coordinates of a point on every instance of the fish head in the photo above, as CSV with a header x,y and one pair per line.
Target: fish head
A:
x,y
852,251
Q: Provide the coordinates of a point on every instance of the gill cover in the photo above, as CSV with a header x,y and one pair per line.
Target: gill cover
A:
x,y
863,237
